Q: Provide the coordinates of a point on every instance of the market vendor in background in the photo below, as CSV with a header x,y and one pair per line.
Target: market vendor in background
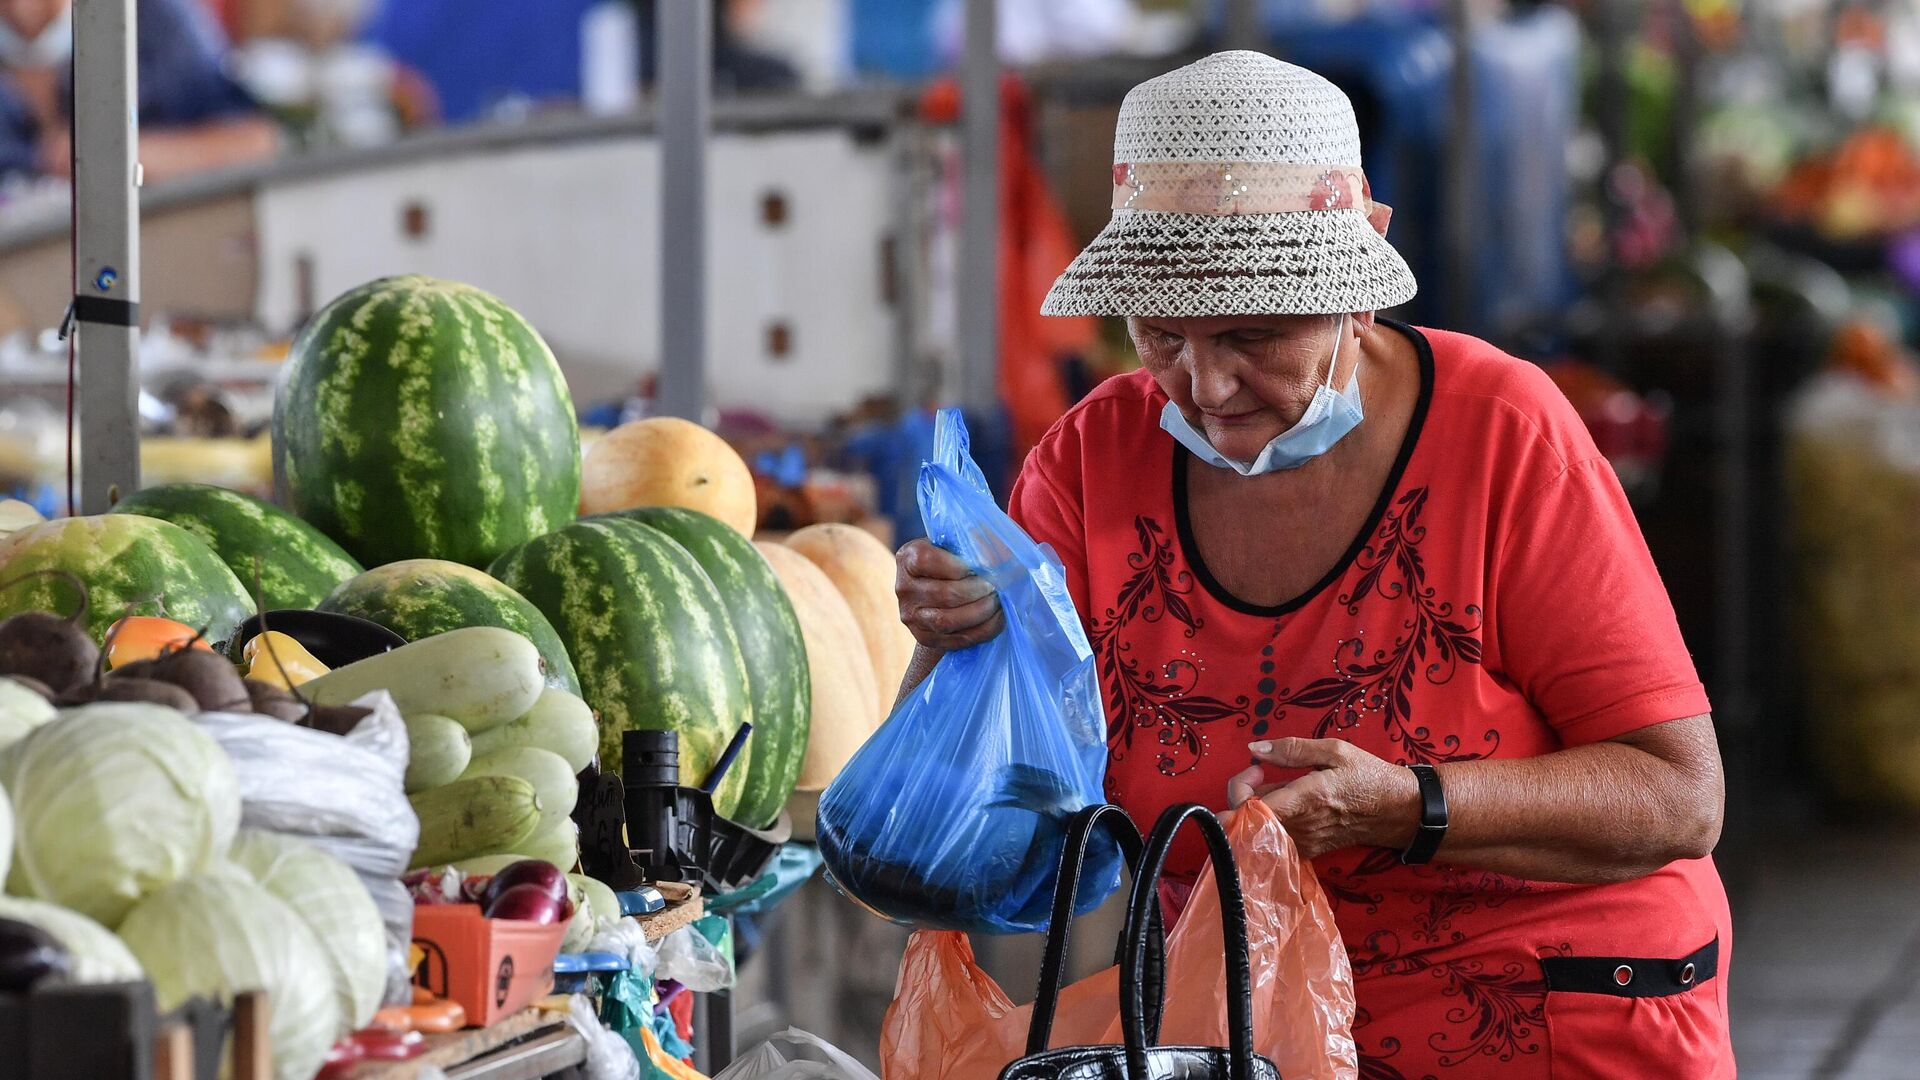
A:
x,y
1388,566
192,116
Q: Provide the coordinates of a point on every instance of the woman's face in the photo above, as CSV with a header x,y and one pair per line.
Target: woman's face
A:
x,y
1242,379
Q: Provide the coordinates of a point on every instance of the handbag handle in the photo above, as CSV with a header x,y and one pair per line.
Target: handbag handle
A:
x,y
1233,931
1053,962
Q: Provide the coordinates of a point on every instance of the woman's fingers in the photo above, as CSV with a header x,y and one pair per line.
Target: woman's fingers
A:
x,y
1303,753
1244,785
943,603
924,559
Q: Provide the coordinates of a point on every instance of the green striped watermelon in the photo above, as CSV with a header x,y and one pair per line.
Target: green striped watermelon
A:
x,y
419,598
770,643
293,563
425,419
648,634
131,565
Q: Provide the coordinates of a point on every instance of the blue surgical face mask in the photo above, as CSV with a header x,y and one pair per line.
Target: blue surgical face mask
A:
x,y
1329,417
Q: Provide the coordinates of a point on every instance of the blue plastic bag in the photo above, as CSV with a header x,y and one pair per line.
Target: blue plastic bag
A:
x,y
952,814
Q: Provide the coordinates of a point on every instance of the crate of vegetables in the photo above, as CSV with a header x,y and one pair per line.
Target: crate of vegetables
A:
x,y
494,955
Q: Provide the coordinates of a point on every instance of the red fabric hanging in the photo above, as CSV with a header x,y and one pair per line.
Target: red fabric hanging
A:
x,y
1036,244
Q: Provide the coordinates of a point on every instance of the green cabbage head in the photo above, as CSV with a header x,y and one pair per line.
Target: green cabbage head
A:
x,y
215,936
329,898
113,802
98,956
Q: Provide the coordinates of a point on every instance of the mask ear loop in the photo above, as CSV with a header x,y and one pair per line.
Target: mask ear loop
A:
x,y
1339,335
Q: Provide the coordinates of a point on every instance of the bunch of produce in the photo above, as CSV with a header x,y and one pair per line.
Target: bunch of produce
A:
x,y
505,887
1867,185
126,860
492,750
123,854
423,431
512,887
1853,481
48,661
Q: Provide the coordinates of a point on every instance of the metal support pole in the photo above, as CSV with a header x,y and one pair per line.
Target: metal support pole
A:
x,y
980,213
1242,30
1464,210
1611,27
685,63
106,250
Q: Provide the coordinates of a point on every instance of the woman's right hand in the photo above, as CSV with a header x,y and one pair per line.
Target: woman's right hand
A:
x,y
947,606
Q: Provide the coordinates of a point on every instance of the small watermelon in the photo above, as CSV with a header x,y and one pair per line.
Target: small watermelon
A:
x,y
296,563
421,418
131,565
649,636
418,598
770,644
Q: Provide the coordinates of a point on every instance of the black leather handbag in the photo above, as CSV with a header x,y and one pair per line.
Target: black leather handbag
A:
x,y
1142,968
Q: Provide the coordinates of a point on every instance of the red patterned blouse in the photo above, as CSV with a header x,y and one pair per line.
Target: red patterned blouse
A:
x,y
1501,603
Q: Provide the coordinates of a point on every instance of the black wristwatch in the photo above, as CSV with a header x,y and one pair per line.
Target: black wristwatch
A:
x,y
1433,817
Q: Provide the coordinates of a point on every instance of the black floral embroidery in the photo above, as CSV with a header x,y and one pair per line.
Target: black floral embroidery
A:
x,y
1157,698
1347,886
1498,1013
1431,642
1458,893
1503,1012
1377,1063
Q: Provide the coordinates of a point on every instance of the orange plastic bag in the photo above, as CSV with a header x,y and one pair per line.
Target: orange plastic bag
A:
x,y
950,1021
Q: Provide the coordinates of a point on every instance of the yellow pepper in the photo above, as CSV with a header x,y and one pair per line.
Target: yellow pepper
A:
x,y
295,665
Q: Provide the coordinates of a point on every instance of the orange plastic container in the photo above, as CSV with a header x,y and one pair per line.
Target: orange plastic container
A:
x,y
492,967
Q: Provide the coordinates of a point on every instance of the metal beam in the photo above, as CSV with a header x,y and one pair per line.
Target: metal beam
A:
x,y
684,40
106,250
1243,30
980,212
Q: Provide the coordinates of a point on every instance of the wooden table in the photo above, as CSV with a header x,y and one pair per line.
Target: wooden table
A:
x,y
528,1045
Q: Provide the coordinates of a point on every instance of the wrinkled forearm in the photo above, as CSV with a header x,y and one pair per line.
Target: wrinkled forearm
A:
x,y
1610,811
917,670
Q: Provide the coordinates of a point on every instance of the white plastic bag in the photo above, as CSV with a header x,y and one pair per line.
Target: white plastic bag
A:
x,y
795,1055
608,1055
688,958
625,937
344,794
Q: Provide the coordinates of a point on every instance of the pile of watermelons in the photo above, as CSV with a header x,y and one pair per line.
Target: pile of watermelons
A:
x,y
429,477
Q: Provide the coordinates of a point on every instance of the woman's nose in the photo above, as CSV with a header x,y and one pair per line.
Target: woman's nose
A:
x,y
1214,381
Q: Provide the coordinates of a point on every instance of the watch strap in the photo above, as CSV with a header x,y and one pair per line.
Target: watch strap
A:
x,y
1433,817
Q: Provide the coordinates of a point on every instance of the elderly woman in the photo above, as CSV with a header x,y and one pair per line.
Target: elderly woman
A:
x,y
1388,566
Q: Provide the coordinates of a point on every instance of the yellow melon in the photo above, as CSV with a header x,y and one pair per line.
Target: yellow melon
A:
x,y
666,461
844,710
862,568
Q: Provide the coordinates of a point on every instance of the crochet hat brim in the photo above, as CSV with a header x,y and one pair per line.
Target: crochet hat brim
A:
x,y
1164,265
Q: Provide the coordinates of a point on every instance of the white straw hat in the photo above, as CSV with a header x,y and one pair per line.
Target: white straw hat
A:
x,y
1237,191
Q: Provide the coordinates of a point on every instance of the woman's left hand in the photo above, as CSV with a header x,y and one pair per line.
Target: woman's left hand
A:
x,y
1350,799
